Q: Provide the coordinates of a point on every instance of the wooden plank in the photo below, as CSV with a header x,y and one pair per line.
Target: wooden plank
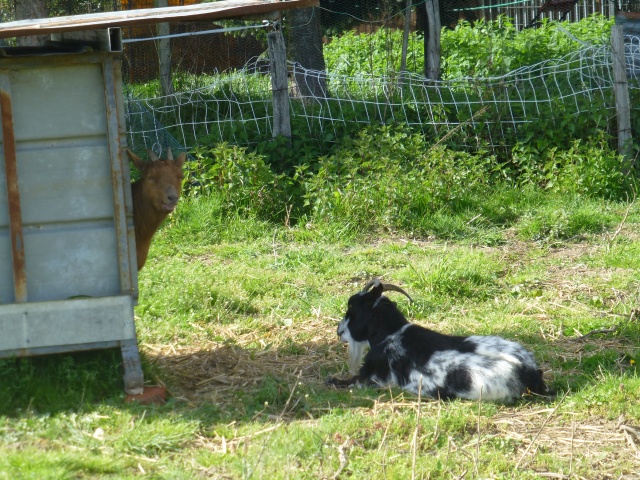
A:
x,y
112,93
133,377
224,9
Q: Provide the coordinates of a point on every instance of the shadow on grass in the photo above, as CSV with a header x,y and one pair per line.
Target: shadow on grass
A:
x,y
67,381
244,380
231,381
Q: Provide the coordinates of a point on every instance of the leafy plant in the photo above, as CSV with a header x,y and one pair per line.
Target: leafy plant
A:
x,y
589,168
479,49
245,183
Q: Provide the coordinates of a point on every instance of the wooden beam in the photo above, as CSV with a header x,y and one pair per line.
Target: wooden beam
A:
x,y
220,10
279,84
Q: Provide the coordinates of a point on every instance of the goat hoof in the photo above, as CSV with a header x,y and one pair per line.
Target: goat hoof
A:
x,y
335,382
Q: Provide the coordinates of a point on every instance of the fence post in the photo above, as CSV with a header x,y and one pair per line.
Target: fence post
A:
x,y
279,83
164,54
621,92
405,36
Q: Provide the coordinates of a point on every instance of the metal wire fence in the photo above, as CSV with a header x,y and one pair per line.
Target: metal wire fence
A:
x,y
485,112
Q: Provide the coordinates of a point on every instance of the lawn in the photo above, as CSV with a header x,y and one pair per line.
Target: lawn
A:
x,y
239,323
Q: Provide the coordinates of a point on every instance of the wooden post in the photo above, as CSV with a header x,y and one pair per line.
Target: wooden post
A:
x,y
279,83
621,92
164,54
432,64
405,36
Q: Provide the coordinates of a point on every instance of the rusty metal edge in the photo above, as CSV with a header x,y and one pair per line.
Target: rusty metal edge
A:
x,y
13,190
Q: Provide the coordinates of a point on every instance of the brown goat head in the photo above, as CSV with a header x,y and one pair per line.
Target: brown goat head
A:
x,y
155,194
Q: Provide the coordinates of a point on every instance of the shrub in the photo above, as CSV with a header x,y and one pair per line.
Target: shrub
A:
x,y
390,178
244,181
588,168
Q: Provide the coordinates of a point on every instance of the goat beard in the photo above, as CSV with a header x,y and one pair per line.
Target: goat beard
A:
x,y
356,352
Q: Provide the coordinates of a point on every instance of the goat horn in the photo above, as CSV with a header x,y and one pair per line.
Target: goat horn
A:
x,y
387,287
375,282
152,155
169,154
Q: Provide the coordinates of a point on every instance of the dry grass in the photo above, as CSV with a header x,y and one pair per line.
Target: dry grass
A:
x,y
217,373
593,441
209,372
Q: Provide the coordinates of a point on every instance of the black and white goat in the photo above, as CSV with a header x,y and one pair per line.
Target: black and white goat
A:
x,y
416,358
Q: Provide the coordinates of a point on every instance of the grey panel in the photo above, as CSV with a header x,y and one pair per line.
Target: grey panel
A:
x,y
78,259
42,324
4,213
63,182
6,270
58,102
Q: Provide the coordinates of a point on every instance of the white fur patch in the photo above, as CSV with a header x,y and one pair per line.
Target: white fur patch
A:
x,y
356,349
356,352
499,347
492,378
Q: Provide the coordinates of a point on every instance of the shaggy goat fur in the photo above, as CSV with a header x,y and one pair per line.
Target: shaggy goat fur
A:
x,y
440,366
155,195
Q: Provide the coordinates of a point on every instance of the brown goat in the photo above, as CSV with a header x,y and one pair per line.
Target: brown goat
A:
x,y
155,195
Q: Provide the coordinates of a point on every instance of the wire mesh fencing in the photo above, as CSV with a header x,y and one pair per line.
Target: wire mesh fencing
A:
x,y
480,112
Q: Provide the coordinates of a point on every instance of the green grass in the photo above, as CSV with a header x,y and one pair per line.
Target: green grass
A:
x,y
237,317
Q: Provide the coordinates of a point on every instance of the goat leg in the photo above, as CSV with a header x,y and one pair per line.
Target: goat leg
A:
x,y
348,382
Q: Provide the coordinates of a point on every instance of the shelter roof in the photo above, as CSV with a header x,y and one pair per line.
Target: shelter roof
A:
x,y
224,9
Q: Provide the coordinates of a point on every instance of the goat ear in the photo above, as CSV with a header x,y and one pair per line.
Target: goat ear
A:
x,y
180,159
137,161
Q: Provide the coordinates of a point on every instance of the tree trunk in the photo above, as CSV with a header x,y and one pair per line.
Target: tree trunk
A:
x,y
164,54
27,10
432,40
306,43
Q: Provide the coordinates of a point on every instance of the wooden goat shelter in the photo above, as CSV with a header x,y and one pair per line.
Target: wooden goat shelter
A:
x,y
68,276
68,271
